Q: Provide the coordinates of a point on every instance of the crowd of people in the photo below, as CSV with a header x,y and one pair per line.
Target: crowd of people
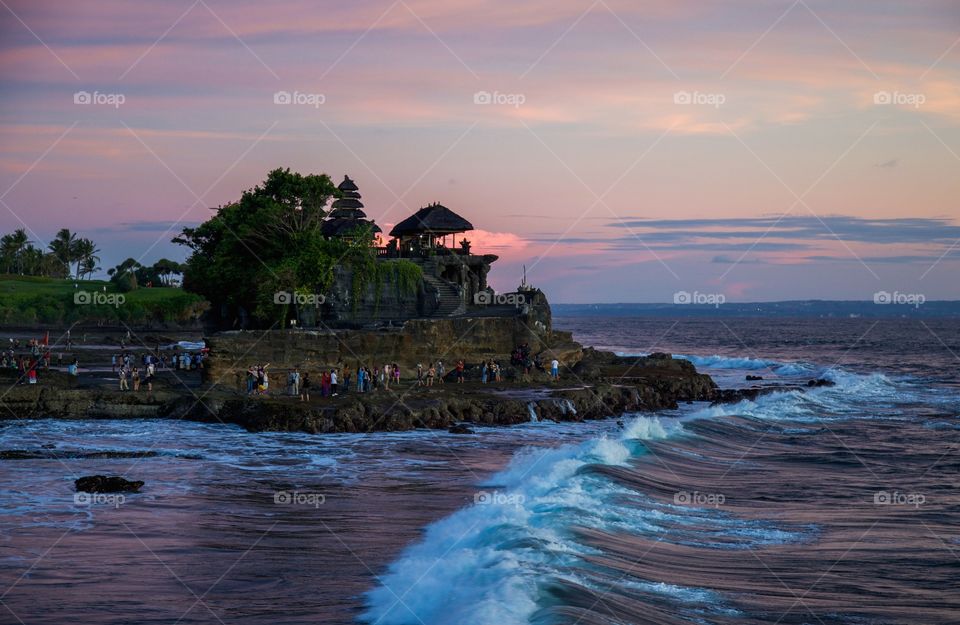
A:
x,y
340,380
29,358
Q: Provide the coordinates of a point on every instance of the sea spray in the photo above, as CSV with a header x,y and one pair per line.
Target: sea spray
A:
x,y
485,563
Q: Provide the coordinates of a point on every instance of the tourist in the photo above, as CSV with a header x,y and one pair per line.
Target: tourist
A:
x,y
295,379
460,368
135,376
32,374
431,373
483,373
305,387
360,375
366,379
326,384
555,370
496,372
151,369
382,376
346,381
387,375
396,373
123,379
440,371
333,382
419,374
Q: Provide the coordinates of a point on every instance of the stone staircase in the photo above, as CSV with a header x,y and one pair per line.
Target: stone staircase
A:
x,y
451,304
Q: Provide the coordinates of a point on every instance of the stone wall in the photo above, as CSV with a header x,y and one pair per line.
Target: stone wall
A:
x,y
472,339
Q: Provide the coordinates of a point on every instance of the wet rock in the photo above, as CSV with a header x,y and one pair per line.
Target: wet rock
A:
x,y
460,428
821,382
754,378
106,484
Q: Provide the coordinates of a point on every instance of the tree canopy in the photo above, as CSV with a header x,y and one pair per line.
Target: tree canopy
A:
x,y
268,241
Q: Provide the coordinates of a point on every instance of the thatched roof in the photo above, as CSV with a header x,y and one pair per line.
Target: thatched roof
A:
x,y
347,184
434,219
346,202
347,213
340,226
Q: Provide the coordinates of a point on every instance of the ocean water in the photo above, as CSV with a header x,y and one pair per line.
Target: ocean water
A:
x,y
835,505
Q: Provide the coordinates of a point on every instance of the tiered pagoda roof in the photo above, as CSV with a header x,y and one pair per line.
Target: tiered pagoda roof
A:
x,y
346,215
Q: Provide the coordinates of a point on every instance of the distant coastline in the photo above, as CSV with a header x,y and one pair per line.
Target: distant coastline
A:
x,y
786,309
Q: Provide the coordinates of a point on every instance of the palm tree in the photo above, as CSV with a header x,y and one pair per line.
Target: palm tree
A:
x,y
85,254
11,250
89,265
64,247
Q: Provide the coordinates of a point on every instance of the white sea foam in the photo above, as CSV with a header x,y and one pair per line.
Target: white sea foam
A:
x,y
483,563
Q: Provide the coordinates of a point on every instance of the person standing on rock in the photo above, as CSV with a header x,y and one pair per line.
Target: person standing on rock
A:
x,y
440,371
387,376
483,373
305,387
460,369
333,382
123,379
150,371
431,373
135,376
360,379
555,370
396,373
419,374
295,381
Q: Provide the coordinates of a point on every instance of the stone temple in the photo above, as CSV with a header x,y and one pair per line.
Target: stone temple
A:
x,y
454,276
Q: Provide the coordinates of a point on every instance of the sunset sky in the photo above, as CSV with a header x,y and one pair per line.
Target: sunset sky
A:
x,y
621,150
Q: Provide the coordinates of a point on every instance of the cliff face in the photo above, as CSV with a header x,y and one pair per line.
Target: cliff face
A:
x,y
473,339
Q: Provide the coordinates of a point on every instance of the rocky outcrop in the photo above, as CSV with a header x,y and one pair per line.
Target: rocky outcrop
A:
x,y
473,339
653,383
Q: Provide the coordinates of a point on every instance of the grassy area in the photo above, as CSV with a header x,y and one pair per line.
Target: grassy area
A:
x,y
32,300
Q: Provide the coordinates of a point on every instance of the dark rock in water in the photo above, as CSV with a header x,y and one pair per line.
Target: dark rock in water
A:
x,y
754,378
821,382
460,429
46,453
106,484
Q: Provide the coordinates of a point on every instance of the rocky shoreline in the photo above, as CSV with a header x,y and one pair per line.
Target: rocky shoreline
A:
x,y
602,385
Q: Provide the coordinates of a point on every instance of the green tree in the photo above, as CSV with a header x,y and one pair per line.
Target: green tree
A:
x,y
12,247
85,255
268,241
64,248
